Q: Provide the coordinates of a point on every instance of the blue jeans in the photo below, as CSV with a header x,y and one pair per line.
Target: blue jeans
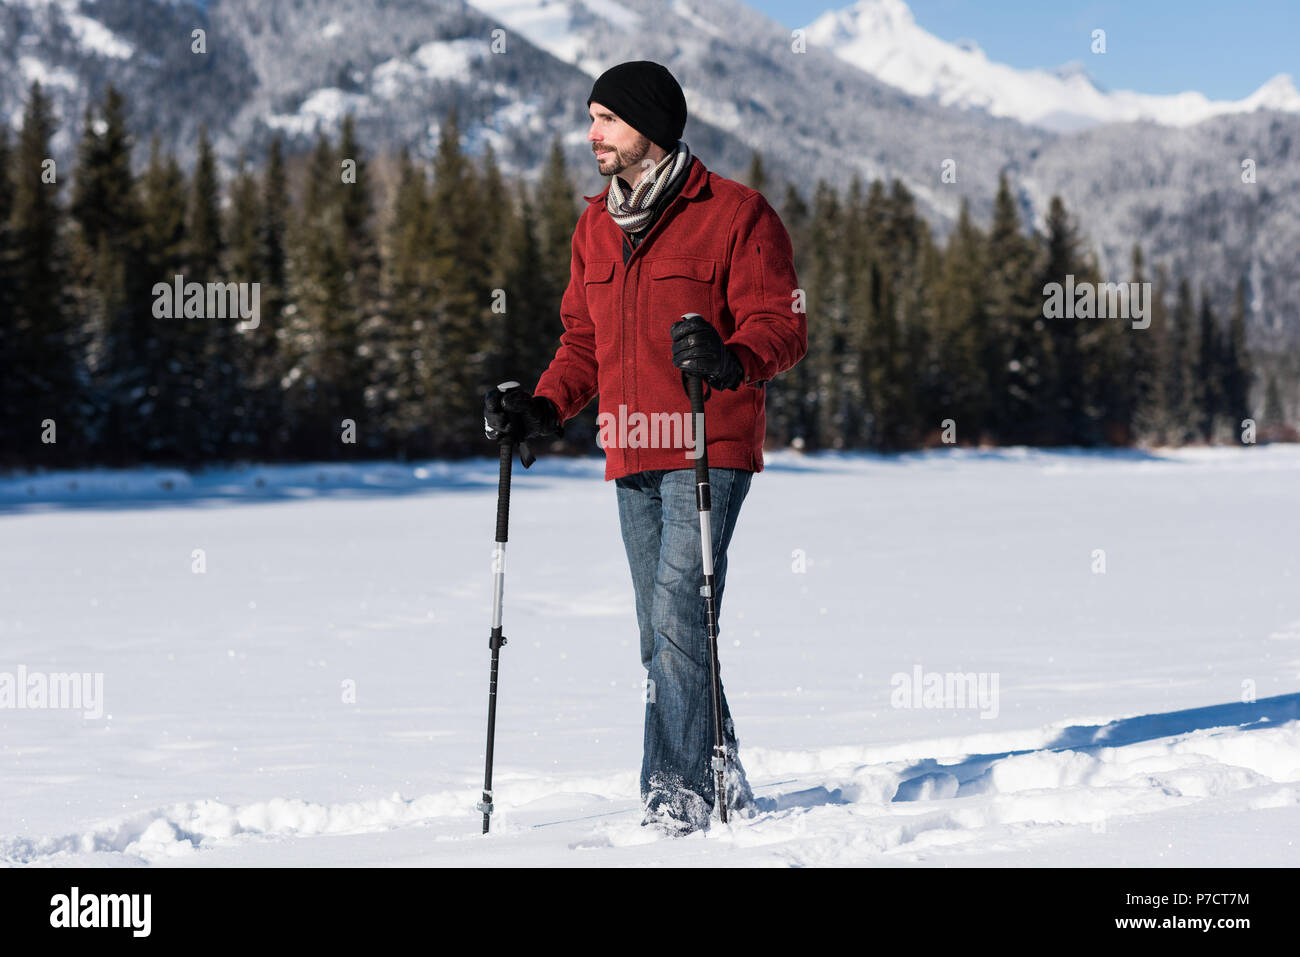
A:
x,y
661,532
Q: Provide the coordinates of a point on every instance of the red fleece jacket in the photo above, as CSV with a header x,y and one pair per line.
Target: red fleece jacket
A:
x,y
718,249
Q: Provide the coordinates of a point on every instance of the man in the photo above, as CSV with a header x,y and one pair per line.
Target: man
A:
x,y
665,238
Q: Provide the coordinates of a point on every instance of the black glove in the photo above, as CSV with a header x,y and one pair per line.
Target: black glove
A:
x,y
520,415
698,350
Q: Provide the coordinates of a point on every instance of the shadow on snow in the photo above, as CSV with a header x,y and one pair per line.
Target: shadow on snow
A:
x,y
929,779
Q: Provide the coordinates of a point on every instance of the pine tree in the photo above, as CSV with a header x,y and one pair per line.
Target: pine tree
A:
x,y
461,311
171,354
510,246
272,357
1064,415
495,203
1236,362
880,338
163,201
1155,417
9,393
1107,376
212,343
363,267
115,284
1274,414
1110,377
1183,388
407,356
1209,371
1140,347
204,244
912,372
43,344
962,332
242,230
787,395
557,216
522,334
849,340
825,312
1013,364
323,332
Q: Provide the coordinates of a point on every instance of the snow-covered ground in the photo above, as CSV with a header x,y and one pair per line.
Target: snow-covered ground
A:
x,y
294,664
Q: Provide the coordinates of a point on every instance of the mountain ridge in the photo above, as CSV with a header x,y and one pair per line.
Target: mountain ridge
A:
x,y
399,66
883,39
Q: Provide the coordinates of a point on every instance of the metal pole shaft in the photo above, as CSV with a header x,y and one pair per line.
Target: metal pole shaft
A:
x,y
703,503
496,639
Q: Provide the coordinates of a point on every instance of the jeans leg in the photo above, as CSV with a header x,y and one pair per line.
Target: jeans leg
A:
x,y
676,775
640,516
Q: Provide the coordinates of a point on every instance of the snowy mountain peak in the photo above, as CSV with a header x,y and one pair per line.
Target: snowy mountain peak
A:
x,y
1279,93
1071,69
882,38
880,14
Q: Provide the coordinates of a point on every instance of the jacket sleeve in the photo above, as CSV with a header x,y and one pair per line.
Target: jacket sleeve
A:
x,y
570,379
770,335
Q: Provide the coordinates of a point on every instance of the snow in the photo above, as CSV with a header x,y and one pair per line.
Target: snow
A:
x,y
545,25
35,70
91,35
720,113
392,77
437,60
1146,715
882,38
324,107
685,11
548,24
95,37
1278,93
450,59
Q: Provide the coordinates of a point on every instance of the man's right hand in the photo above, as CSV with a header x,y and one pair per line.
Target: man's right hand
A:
x,y
519,414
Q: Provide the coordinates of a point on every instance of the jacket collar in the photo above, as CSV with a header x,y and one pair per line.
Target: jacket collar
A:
x,y
695,177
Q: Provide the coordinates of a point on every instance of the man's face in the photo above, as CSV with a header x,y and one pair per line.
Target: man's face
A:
x,y
617,146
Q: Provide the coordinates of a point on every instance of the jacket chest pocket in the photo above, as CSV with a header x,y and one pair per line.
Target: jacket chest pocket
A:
x,y
598,283
678,286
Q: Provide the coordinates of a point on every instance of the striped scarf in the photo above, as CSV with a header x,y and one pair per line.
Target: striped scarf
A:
x,y
635,212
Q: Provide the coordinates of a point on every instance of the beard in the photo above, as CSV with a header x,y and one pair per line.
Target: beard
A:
x,y
624,159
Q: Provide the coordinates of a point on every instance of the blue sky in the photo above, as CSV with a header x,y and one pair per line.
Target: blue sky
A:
x,y
1224,49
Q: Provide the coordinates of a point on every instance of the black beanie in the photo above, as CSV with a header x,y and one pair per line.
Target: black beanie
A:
x,y
646,97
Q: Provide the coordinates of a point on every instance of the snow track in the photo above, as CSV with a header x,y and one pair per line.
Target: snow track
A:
x,y
841,808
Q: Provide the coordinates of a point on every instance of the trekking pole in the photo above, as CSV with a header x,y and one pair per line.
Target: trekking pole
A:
x,y
496,640
695,388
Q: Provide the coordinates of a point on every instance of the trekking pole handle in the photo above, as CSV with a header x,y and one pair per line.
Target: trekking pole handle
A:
x,y
503,482
695,389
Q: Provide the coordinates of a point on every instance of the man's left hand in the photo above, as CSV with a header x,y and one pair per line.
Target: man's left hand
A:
x,y
698,350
